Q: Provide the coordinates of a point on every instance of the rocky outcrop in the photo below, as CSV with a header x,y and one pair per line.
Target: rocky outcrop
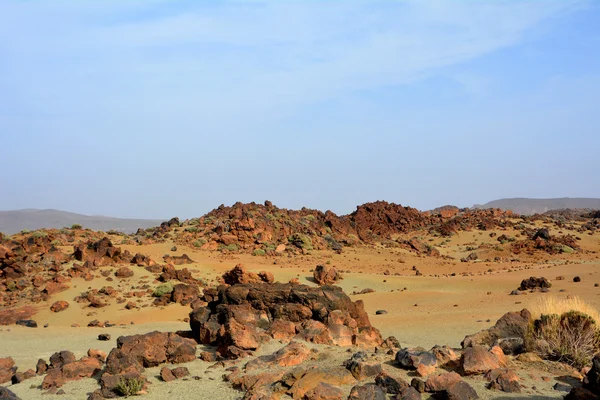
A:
x,y
239,275
244,315
533,283
135,353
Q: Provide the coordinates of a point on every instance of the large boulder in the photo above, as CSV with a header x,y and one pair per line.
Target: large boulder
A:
x,y
478,360
237,317
155,348
7,369
324,275
6,394
510,325
533,282
412,358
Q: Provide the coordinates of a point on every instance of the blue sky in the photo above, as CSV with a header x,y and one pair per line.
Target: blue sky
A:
x,y
159,108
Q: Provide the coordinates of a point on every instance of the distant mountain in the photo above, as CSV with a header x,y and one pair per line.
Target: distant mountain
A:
x,y
538,206
17,220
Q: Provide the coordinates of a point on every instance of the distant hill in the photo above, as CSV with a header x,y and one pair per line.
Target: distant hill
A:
x,y
17,220
538,206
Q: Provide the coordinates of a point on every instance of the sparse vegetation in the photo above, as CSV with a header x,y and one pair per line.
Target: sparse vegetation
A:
x,y
130,386
199,243
302,241
259,252
76,226
230,247
566,330
39,234
163,289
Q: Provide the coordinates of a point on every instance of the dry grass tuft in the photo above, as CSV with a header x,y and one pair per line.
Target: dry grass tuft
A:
x,y
565,330
549,305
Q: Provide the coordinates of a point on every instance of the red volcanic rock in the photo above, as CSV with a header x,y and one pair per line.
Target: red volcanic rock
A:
x,y
7,369
239,274
478,360
11,316
124,272
54,287
59,306
324,391
235,320
155,348
166,374
178,260
293,354
324,275
184,294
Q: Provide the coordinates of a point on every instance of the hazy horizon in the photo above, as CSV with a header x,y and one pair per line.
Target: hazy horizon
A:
x,y
153,109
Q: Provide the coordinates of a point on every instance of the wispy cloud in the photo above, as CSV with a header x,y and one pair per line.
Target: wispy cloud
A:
x,y
243,58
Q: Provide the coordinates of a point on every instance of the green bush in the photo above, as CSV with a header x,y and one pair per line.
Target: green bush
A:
x,y
270,247
163,289
56,242
39,234
199,243
301,241
572,337
76,226
25,231
566,249
230,247
259,252
130,386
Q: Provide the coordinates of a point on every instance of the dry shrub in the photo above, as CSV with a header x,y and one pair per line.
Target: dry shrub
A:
x,y
548,305
566,331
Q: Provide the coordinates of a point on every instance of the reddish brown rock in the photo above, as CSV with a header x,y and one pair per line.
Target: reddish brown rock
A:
x,y
233,313
440,383
54,287
19,377
166,374
478,360
370,391
84,368
324,391
41,367
324,275
184,294
303,381
7,369
124,272
504,380
59,359
99,354
390,384
180,372
59,306
293,354
156,348
12,315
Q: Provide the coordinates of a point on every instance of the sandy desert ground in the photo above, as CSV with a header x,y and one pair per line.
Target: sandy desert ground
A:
x,y
449,300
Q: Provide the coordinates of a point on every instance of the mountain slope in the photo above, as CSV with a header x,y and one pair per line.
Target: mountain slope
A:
x,y
16,220
526,206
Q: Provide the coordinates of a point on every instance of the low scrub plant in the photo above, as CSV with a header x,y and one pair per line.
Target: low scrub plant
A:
x,y
565,330
199,243
130,386
163,289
